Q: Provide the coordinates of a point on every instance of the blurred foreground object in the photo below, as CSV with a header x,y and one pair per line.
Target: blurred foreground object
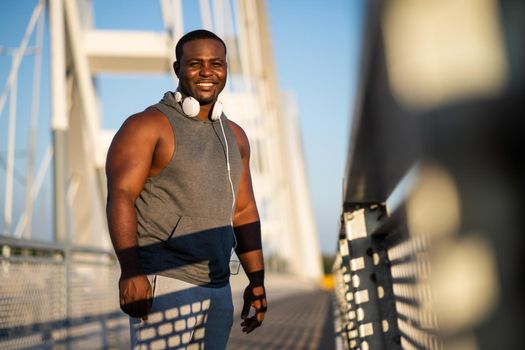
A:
x,y
430,243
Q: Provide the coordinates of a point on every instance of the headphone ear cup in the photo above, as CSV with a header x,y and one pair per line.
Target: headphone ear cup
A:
x,y
217,110
191,106
178,96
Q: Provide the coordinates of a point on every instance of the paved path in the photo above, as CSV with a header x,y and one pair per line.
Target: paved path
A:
x,y
299,317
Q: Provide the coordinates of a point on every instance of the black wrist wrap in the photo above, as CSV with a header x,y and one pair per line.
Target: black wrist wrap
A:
x,y
248,237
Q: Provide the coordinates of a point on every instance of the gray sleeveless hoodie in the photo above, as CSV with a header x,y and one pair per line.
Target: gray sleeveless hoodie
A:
x,y
184,213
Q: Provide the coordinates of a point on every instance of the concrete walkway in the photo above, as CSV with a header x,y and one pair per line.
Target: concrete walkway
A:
x,y
299,317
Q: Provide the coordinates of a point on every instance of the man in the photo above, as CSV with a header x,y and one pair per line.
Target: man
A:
x,y
178,181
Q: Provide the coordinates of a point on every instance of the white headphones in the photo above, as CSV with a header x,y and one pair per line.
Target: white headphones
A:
x,y
191,107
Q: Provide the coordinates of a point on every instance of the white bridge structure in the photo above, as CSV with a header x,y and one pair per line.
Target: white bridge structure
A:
x,y
79,53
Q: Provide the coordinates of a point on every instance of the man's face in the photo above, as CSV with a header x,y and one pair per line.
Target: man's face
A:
x,y
202,70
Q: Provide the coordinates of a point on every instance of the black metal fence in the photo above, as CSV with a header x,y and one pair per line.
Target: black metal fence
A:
x,y
431,241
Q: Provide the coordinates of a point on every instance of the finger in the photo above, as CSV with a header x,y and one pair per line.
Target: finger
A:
x,y
145,309
129,309
261,312
251,324
143,306
136,309
260,316
245,309
247,322
124,308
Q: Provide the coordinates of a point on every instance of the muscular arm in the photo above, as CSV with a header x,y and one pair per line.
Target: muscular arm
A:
x,y
130,161
248,233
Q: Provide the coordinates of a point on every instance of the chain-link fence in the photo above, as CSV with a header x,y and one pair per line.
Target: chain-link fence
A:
x,y
55,297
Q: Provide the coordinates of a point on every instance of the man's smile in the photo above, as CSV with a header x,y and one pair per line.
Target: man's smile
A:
x,y
205,84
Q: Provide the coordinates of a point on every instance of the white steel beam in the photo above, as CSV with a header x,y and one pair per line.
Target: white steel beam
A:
x,y
59,120
35,107
112,51
10,167
17,59
59,117
83,74
88,222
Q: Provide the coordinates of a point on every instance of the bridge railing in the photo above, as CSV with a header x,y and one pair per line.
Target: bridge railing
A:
x,y
56,296
430,242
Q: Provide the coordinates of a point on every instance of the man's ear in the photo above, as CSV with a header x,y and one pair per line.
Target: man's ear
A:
x,y
176,68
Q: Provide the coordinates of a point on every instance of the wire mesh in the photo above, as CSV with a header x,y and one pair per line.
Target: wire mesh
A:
x,y
55,298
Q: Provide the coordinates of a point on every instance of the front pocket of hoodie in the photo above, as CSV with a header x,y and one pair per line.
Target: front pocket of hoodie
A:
x,y
174,229
183,241
195,239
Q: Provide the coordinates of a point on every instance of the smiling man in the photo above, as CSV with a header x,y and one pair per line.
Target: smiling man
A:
x,y
180,199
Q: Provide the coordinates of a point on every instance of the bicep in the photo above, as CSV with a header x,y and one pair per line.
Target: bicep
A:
x,y
129,158
245,196
246,208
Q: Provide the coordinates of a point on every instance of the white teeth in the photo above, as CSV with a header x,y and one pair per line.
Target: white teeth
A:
x,y
205,84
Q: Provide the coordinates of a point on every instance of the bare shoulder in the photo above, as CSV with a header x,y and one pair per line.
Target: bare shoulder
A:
x,y
146,121
240,136
139,133
141,147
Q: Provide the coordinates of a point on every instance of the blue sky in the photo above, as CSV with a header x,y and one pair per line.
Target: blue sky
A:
x,y
316,48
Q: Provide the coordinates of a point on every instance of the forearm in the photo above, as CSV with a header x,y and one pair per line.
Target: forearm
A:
x,y
122,223
252,261
249,250
135,293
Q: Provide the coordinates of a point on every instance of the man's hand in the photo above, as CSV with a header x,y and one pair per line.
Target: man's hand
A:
x,y
136,296
254,296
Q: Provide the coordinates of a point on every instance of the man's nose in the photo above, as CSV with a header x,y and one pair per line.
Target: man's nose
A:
x,y
205,70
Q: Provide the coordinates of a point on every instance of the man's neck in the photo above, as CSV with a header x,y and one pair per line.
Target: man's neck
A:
x,y
204,112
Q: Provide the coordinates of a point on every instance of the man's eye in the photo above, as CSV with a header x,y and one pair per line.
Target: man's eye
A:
x,y
194,64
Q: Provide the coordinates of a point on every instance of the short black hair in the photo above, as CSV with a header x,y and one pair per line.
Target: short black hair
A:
x,y
196,35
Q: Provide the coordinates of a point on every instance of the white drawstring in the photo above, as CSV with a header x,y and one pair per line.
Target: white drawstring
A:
x,y
231,182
